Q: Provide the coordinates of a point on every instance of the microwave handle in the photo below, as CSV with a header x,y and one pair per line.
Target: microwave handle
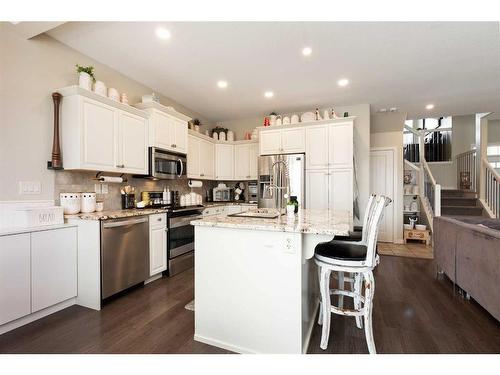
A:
x,y
182,168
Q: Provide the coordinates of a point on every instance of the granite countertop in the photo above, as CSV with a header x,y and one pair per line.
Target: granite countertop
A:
x,y
116,214
306,221
19,230
216,204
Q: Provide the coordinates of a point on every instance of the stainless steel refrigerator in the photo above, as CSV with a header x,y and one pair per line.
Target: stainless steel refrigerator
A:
x,y
280,171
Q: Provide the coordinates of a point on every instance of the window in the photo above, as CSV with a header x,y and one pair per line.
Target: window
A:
x,y
493,150
493,153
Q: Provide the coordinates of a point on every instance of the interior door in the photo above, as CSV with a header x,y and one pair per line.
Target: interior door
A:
x,y
382,182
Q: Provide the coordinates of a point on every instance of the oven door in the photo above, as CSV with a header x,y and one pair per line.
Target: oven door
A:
x,y
181,235
166,165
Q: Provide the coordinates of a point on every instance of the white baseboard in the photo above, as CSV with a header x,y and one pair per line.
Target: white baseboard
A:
x,y
36,315
154,278
223,345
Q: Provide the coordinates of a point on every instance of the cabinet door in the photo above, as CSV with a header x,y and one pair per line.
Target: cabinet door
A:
x,y
15,291
293,140
193,157
341,145
157,244
53,267
180,135
224,162
207,159
317,147
162,130
242,162
317,189
254,160
133,144
99,136
341,196
270,142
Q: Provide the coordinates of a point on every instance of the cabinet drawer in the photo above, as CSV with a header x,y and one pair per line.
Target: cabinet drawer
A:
x,y
157,220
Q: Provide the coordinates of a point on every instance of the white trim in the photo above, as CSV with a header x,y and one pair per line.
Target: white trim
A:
x,y
394,149
307,340
154,278
223,345
486,208
36,315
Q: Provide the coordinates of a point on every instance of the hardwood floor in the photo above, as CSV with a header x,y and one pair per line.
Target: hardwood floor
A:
x,y
414,313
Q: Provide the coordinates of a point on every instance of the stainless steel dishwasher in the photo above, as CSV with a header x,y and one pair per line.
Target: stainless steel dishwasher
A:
x,y
124,254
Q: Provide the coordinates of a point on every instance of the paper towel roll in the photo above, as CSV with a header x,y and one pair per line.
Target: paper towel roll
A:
x,y
111,179
195,184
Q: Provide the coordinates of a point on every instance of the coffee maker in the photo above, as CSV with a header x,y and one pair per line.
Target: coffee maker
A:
x,y
253,195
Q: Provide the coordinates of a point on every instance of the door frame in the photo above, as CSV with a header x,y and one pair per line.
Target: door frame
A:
x,y
395,182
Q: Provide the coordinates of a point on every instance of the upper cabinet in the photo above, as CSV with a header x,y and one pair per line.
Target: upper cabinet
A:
x,y
168,128
200,158
281,141
224,162
100,134
245,161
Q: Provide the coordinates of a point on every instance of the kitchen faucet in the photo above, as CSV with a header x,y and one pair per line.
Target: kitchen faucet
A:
x,y
280,206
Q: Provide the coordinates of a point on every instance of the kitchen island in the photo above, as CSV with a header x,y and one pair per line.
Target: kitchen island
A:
x,y
256,288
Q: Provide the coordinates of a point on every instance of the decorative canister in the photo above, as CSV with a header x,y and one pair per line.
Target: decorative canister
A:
x,y
113,94
286,120
70,202
272,120
222,136
88,202
215,135
294,119
124,98
197,128
279,120
85,81
230,135
99,206
100,88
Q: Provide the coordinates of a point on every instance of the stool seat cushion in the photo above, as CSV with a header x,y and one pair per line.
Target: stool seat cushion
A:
x,y
341,250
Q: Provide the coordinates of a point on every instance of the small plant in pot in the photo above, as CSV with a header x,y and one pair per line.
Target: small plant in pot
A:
x,y
85,76
291,206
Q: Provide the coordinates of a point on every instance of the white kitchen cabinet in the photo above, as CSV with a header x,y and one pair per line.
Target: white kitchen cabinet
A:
x,y
270,142
279,141
99,134
157,244
254,161
132,145
200,158
15,288
341,145
53,267
224,162
166,130
180,135
242,162
193,157
317,189
316,138
207,159
340,182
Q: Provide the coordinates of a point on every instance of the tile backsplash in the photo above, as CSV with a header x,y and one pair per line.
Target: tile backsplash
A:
x,y
82,182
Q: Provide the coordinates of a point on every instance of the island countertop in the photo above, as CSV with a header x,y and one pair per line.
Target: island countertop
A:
x,y
307,221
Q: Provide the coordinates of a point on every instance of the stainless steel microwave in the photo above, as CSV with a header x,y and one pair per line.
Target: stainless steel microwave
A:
x,y
166,165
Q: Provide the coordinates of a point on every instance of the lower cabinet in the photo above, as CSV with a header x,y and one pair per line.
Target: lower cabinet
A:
x,y
15,291
37,270
53,267
157,244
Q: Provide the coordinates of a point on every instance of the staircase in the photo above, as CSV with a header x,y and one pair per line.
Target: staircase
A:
x,y
460,203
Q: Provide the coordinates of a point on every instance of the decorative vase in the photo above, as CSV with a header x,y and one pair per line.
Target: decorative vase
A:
x,y
290,210
272,119
197,128
85,81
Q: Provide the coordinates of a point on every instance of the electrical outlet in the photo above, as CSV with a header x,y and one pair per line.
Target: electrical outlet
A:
x,y
97,188
30,187
104,189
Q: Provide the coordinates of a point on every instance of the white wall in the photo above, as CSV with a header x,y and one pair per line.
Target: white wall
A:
x,y
30,71
387,132
361,142
493,131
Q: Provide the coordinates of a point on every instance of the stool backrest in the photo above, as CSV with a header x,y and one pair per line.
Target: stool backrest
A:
x,y
373,225
368,213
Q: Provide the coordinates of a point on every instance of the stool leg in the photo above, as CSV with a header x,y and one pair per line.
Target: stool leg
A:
x,y
341,287
369,294
320,314
358,279
324,285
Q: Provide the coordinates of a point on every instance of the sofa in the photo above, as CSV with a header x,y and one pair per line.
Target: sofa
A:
x,y
467,250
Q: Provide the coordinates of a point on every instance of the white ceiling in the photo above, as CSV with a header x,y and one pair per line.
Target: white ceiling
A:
x,y
455,66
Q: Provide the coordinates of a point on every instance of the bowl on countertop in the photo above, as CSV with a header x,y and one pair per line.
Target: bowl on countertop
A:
x,y
420,227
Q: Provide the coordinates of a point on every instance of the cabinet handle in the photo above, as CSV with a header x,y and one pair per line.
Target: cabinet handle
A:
x,y
120,166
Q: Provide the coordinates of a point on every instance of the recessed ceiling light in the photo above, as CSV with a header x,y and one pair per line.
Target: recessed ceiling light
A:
x,y
429,106
343,82
162,33
222,84
269,94
306,51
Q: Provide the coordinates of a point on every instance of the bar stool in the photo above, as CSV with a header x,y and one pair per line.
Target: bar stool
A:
x,y
358,259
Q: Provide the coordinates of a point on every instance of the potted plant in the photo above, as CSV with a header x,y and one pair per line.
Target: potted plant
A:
x,y
196,125
85,76
290,208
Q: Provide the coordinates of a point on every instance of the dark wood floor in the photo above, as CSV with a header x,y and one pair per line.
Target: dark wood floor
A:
x,y
414,313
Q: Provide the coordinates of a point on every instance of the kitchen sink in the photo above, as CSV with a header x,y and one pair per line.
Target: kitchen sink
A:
x,y
260,213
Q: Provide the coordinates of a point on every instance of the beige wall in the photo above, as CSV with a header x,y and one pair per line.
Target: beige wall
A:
x,y
361,142
30,70
387,133
493,131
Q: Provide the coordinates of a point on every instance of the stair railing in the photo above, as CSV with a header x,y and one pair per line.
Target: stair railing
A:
x,y
491,181
466,170
432,191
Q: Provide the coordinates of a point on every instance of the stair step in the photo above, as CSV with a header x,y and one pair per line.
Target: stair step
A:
x,y
458,201
461,210
448,193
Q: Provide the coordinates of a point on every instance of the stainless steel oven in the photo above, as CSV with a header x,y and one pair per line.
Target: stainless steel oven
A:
x,y
166,165
180,248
